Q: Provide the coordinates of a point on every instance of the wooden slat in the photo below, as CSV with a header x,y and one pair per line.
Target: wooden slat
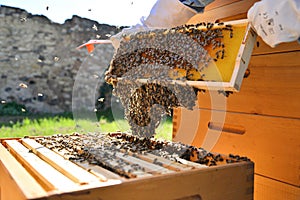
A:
x,y
273,143
151,158
272,88
266,188
99,171
94,169
230,183
281,60
166,163
222,12
15,182
46,175
219,3
262,48
66,167
149,167
243,57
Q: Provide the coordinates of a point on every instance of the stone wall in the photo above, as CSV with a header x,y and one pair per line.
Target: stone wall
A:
x,y
39,60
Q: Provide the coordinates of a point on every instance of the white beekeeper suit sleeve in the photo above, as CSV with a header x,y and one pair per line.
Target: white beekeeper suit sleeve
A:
x,y
276,21
165,14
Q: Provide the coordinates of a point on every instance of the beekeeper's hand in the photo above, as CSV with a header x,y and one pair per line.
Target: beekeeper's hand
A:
x,y
164,14
276,21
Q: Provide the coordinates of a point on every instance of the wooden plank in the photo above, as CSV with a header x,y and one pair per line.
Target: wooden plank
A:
x,y
15,182
239,7
99,171
271,89
235,17
45,174
230,183
219,3
285,59
66,167
168,164
273,143
172,165
149,167
243,57
262,48
269,189
94,169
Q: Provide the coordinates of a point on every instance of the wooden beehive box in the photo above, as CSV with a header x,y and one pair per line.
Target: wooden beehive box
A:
x,y
262,120
29,170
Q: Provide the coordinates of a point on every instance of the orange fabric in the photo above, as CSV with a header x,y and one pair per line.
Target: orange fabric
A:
x,y
90,47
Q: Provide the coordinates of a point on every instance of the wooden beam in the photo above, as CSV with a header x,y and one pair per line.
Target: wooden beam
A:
x,y
15,182
219,3
225,11
66,167
44,173
275,190
224,182
261,48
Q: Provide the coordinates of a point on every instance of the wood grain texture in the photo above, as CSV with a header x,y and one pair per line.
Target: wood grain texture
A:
x,y
66,167
15,182
272,88
262,48
273,143
219,3
230,183
219,13
267,107
47,176
270,189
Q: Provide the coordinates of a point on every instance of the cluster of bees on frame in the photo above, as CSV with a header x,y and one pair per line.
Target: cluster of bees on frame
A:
x,y
111,150
161,56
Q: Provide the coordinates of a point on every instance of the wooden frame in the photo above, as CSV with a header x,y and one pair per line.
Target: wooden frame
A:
x,y
241,60
24,176
225,73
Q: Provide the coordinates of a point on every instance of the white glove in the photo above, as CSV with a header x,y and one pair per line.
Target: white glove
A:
x,y
167,14
276,21
164,14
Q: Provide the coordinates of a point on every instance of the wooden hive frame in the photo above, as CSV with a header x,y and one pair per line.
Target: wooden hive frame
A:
x,y
226,73
31,171
232,68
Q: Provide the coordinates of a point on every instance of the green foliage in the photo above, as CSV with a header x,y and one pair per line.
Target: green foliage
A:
x,y
12,108
66,125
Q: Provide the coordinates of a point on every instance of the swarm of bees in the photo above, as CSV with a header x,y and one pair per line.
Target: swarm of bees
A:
x,y
158,57
146,104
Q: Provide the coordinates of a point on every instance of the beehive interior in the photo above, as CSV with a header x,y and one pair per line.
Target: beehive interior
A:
x,y
131,156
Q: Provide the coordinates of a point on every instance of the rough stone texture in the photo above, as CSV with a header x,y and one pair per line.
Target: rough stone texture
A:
x,y
42,55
